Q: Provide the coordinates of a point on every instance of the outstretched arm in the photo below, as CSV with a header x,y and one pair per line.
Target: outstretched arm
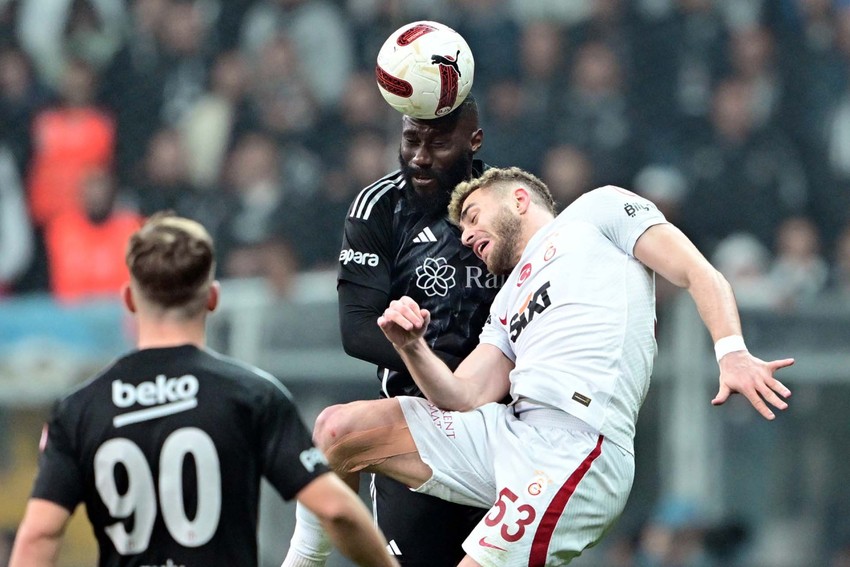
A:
x,y
40,534
482,377
666,250
347,521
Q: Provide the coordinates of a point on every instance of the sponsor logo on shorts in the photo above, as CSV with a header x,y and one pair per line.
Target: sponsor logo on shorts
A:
x,y
484,543
356,257
538,484
443,420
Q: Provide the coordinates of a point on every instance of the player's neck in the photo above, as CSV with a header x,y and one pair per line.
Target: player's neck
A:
x,y
163,334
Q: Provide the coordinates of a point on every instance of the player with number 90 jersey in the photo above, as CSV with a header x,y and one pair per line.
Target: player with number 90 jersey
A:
x,y
166,448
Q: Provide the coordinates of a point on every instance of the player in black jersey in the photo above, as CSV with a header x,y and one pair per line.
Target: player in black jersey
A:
x,y
398,241
167,445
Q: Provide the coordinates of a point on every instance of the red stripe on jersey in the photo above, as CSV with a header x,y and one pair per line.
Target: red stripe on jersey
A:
x,y
543,535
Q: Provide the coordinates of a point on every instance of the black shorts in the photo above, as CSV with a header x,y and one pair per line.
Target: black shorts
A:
x,y
423,531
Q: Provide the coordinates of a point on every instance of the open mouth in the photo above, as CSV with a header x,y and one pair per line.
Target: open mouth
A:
x,y
480,247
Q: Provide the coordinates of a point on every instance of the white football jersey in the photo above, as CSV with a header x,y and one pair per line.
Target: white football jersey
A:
x,y
577,314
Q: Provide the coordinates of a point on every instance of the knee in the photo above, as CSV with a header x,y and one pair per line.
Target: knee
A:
x,y
333,423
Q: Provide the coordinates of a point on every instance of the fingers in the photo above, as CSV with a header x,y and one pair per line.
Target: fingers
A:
x,y
721,397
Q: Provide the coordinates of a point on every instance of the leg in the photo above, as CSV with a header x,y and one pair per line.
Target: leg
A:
x,y
422,530
468,562
371,436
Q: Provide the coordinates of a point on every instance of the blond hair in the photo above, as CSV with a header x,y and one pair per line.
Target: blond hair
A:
x,y
501,178
171,261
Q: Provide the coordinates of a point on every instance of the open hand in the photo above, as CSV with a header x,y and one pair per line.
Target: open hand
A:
x,y
742,373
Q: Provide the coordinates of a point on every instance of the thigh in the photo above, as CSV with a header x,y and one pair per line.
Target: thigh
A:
x,y
422,531
458,449
559,491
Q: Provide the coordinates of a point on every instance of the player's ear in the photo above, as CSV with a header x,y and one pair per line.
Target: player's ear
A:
x,y
521,199
127,297
212,299
476,140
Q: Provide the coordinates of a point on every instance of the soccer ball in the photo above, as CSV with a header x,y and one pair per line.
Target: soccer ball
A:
x,y
425,69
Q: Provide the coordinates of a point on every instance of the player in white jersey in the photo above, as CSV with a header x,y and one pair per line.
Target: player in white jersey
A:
x,y
571,337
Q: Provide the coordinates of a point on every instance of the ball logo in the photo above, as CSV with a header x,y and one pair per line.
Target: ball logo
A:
x,y
413,33
393,85
523,274
449,81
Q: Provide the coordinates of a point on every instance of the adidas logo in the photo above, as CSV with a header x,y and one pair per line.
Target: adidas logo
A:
x,y
392,547
425,236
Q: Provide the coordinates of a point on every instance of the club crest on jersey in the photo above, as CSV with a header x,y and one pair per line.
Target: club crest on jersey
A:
x,y
536,302
523,274
435,277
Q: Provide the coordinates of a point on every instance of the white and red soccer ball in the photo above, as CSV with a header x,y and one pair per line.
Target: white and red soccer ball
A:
x,y
425,69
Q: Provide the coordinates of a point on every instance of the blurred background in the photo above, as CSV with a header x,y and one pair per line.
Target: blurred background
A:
x,y
262,120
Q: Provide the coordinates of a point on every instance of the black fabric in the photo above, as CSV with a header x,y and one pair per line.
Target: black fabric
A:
x,y
173,431
387,247
423,531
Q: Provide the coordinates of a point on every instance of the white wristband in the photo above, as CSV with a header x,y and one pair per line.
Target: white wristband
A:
x,y
724,346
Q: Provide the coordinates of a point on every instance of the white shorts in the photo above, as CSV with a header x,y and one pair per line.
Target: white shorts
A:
x,y
552,484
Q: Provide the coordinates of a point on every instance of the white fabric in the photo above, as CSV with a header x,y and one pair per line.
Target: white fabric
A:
x,y
527,467
577,314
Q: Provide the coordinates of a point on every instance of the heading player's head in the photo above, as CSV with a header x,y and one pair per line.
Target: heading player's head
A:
x,y
499,212
172,263
435,155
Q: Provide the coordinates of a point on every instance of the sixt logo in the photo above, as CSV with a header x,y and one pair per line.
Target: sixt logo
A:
x,y
536,302
362,258
160,397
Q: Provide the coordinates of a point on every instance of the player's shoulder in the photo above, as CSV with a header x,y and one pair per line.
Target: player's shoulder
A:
x,y
377,196
245,375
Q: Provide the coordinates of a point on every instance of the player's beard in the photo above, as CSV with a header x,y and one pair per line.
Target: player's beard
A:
x,y
435,203
505,255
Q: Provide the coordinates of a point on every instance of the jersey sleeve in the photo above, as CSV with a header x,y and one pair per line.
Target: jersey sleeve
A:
x,y
59,478
622,216
494,331
290,461
366,256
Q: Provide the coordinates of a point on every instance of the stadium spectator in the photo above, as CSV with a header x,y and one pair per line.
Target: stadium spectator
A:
x,y
319,34
259,235
596,117
16,231
21,96
133,85
220,116
85,245
799,272
69,139
568,171
735,168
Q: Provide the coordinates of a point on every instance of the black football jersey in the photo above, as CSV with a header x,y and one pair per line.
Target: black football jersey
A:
x,y
388,246
166,448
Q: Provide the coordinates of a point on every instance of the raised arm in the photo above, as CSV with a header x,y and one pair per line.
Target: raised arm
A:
x,y
482,377
666,250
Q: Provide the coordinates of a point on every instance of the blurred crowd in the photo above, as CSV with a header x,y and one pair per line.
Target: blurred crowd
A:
x,y
262,120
